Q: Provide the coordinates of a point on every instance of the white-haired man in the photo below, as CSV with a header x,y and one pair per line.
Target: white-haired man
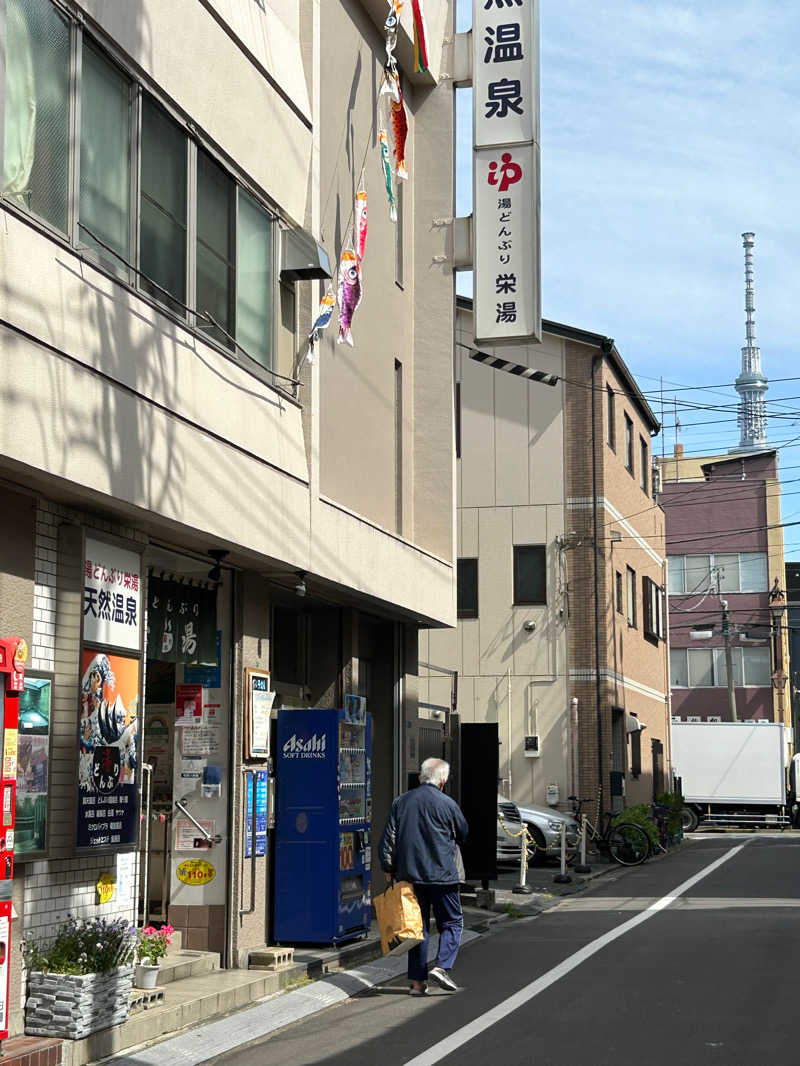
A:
x,y
419,844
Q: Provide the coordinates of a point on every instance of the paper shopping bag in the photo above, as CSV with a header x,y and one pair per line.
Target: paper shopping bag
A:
x,y
399,918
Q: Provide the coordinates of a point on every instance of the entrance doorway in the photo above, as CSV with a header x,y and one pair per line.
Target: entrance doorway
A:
x,y
184,844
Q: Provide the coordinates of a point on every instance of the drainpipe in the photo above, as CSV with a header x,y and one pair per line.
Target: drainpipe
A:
x,y
606,347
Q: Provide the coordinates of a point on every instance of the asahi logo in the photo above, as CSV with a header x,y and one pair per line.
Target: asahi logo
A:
x,y
312,747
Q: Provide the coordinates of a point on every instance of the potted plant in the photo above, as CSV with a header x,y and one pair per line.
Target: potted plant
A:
x,y
151,947
79,981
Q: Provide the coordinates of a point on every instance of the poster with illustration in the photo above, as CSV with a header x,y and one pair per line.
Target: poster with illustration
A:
x,y
108,750
33,755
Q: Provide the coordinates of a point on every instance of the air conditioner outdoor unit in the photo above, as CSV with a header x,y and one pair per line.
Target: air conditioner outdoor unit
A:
x,y
532,746
694,718
714,718
676,718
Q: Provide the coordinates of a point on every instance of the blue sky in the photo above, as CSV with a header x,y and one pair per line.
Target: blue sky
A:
x,y
668,129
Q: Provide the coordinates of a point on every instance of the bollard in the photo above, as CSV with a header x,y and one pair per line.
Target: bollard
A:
x,y
562,877
523,889
582,867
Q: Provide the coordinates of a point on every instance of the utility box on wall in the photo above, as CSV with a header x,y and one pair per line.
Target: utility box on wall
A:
x,y
532,746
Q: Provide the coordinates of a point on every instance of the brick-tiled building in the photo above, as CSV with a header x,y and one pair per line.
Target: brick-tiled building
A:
x,y
560,599
725,543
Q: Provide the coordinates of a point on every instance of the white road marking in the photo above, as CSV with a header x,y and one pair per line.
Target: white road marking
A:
x,y
478,1025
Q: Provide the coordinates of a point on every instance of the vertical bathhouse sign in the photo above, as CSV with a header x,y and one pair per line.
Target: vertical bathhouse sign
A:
x,y
109,696
506,171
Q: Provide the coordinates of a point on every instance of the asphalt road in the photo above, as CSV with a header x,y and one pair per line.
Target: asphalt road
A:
x,y
667,964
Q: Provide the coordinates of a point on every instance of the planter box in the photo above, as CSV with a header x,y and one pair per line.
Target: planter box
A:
x,y
71,1007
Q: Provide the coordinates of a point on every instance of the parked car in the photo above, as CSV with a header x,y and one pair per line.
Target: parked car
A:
x,y
544,825
508,846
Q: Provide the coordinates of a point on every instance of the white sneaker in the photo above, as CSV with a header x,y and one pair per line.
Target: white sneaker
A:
x,y
443,978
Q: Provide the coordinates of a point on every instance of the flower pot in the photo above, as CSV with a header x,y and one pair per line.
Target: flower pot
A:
x,y
146,975
73,1007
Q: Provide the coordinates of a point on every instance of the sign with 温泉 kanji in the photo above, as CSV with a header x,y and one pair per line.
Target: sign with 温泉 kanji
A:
x,y
506,174
111,595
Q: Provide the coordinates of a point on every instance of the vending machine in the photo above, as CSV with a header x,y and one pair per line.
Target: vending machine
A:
x,y
322,829
13,656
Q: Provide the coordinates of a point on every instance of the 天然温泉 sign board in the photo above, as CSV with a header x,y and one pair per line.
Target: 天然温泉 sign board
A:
x,y
506,172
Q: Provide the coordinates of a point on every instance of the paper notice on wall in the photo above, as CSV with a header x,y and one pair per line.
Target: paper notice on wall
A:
x,y
186,833
191,768
200,740
188,705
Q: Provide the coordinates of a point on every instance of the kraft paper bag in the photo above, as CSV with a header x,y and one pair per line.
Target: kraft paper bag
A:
x,y
399,918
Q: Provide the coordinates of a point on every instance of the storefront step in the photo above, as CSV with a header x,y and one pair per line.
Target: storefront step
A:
x,y
320,961
187,1002
179,965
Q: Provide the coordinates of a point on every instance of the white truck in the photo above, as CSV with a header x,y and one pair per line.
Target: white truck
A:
x,y
731,773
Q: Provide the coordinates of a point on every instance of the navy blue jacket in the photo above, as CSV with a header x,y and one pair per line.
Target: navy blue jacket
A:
x,y
420,837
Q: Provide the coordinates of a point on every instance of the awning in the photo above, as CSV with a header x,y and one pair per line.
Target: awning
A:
x,y
632,724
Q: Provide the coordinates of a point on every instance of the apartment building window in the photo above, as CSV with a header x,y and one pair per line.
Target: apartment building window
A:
x,y
215,245
644,464
253,279
530,574
734,571
458,418
631,600
399,250
398,444
105,159
620,596
467,588
611,428
36,111
652,609
706,667
628,444
131,170
163,205
636,752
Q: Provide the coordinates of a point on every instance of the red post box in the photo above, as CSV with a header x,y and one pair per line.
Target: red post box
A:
x,y
13,656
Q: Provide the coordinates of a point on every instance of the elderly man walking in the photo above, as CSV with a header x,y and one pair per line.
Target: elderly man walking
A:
x,y
420,844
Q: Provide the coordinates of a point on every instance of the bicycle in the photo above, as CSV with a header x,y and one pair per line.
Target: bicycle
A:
x,y
626,843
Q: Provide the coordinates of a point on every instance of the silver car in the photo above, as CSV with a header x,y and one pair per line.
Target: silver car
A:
x,y
544,825
508,816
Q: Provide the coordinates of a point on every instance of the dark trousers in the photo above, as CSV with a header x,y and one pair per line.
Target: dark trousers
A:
x,y
446,903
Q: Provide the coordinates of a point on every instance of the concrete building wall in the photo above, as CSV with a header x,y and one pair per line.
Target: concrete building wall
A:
x,y
127,420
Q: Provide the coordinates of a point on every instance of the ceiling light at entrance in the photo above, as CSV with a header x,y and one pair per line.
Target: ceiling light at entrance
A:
x,y
300,587
217,554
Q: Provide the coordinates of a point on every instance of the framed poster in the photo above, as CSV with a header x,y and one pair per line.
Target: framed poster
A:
x,y
33,766
259,710
108,737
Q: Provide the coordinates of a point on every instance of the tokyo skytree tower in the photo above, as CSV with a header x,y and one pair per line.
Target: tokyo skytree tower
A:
x,y
752,382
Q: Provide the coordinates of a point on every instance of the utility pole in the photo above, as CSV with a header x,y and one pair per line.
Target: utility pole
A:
x,y
726,634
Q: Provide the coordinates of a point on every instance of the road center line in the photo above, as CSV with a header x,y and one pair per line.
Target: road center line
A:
x,y
480,1024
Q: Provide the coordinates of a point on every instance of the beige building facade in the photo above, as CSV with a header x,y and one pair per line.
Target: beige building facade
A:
x,y
574,715
170,174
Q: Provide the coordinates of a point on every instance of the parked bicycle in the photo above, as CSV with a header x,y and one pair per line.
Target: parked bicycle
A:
x,y
626,843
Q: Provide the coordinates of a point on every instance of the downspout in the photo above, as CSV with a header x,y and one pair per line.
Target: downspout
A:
x,y
605,349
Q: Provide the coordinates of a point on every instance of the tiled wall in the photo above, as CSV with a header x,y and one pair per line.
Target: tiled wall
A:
x,y
59,886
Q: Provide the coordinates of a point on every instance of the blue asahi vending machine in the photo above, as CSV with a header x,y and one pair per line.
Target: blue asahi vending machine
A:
x,y
322,829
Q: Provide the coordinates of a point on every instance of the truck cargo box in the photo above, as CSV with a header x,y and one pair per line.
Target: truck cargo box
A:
x,y
730,762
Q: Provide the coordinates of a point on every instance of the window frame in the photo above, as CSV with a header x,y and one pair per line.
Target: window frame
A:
x,y
131,277
676,568
37,855
619,592
652,609
644,463
469,611
518,549
611,418
630,598
629,435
